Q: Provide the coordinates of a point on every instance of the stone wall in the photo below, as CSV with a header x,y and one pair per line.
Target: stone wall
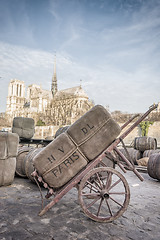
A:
x,y
40,132
154,131
45,131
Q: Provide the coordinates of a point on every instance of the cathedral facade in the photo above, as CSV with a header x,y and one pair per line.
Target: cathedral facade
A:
x,y
51,107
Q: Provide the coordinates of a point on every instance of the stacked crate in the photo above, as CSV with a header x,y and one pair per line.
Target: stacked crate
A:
x,y
24,127
83,141
8,152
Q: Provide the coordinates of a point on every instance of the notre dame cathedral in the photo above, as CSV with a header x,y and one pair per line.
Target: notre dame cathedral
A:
x,y
51,107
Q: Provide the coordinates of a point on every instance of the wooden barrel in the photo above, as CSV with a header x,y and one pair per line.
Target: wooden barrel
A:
x,y
145,143
147,153
20,160
8,152
61,130
28,162
134,154
153,166
108,162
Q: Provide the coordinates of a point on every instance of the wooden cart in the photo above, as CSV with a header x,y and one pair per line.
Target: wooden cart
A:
x,y
103,191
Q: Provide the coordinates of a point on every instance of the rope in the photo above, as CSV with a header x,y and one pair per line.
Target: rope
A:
x,y
62,159
77,147
91,135
42,200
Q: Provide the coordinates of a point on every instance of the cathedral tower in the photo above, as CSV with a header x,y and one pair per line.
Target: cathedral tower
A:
x,y
16,96
54,80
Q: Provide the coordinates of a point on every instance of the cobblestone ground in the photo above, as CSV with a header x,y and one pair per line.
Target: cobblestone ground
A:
x,y
20,204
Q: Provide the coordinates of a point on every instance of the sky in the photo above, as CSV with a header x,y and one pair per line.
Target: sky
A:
x,y
111,47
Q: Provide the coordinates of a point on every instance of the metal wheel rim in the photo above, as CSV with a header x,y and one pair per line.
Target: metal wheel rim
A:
x,y
103,196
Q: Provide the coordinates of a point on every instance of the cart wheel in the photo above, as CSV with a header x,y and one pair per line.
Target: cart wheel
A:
x,y
104,194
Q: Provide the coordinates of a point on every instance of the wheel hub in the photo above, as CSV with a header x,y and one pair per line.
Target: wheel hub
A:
x,y
104,194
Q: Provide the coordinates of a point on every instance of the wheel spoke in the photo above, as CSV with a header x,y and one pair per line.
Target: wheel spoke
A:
x,y
103,164
108,182
118,193
90,195
90,189
99,180
104,194
116,201
97,184
93,185
109,208
99,208
114,184
93,202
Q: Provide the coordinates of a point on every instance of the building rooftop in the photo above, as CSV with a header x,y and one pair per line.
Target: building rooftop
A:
x,y
76,91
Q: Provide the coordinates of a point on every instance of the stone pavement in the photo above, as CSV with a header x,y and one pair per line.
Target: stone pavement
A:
x,y
20,204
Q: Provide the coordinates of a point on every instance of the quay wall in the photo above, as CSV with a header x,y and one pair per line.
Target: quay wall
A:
x,y
153,131
41,132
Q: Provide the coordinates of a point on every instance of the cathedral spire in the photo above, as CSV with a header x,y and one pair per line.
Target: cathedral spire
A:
x,y
54,79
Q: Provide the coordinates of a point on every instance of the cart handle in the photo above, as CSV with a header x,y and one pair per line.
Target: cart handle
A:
x,y
151,108
130,120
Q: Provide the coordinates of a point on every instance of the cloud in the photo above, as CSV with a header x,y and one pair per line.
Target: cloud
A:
x,y
115,51
73,36
106,84
16,26
34,66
